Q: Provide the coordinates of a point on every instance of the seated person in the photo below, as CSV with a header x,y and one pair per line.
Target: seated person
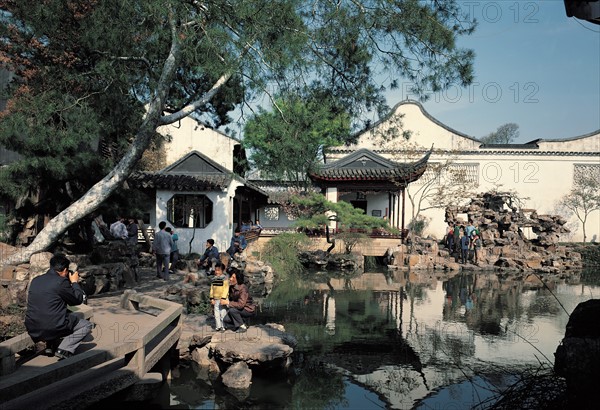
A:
x,y
238,243
240,304
246,226
47,318
210,256
257,225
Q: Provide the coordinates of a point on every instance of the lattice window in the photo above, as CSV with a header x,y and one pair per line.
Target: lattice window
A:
x,y
466,173
272,213
585,171
457,173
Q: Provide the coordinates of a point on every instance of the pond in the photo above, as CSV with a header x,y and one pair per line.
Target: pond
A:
x,y
402,340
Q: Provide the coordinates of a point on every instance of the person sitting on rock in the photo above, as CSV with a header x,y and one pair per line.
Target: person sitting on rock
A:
x,y
240,305
118,230
47,317
210,256
238,243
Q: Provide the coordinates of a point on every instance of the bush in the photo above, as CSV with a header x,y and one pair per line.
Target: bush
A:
x,y
281,252
351,239
418,225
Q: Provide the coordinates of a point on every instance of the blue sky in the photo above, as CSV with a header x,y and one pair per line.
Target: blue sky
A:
x,y
534,66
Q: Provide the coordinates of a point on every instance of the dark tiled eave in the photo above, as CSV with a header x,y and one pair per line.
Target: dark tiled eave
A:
x,y
179,182
400,173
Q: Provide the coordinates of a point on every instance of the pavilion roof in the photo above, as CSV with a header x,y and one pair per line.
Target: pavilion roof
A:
x,y
365,165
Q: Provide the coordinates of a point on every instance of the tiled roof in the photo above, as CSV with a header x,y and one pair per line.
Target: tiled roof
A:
x,y
365,165
180,182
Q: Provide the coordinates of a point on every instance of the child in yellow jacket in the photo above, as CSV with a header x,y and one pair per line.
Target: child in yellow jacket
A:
x,y
219,290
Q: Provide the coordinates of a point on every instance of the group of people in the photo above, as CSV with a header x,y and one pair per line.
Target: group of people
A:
x,y
249,225
211,254
128,233
48,319
232,303
462,240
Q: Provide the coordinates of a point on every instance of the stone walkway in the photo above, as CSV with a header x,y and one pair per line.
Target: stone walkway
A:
x,y
149,284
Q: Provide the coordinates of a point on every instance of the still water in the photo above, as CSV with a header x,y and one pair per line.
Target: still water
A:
x,y
402,340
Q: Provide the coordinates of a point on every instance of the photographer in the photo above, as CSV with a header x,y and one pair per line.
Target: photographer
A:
x,y
47,318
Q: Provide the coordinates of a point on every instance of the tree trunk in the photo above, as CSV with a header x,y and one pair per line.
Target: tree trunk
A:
x,y
93,198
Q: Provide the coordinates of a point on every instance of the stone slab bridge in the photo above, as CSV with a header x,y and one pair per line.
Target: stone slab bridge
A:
x,y
130,347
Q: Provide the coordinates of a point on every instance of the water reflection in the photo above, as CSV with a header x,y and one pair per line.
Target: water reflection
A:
x,y
399,337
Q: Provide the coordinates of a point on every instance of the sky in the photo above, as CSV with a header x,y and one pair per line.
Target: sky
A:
x,y
534,66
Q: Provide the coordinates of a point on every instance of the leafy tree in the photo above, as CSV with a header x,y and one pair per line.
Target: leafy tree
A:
x,y
316,211
287,142
584,198
113,71
505,134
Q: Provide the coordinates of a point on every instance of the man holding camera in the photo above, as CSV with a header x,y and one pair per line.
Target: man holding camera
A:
x,y
47,318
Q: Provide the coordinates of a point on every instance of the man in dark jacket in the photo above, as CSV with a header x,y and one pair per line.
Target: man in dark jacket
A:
x,y
210,256
47,318
240,304
238,243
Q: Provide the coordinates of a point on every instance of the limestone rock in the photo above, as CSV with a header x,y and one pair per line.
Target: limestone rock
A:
x,y
40,261
577,359
263,344
238,376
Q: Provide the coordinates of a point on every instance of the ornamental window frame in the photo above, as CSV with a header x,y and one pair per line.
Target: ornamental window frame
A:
x,y
190,210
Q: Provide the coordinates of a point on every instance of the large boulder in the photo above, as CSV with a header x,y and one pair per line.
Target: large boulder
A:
x,y
265,345
577,358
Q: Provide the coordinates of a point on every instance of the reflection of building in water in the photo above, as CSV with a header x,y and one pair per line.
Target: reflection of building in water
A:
x,y
329,313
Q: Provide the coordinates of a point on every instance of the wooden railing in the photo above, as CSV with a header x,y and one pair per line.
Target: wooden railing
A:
x,y
252,235
318,233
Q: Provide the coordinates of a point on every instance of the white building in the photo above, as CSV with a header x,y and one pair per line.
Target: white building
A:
x,y
200,193
541,170
202,186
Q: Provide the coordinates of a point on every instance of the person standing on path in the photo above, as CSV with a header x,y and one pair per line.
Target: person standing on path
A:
x,y
161,247
132,240
174,256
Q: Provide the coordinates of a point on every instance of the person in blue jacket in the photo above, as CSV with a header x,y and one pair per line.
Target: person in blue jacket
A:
x,y
210,256
238,243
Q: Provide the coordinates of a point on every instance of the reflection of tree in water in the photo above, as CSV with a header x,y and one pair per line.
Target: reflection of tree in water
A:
x,y
318,387
590,277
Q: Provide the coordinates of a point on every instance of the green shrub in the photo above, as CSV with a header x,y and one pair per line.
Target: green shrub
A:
x,y
281,252
351,239
418,225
